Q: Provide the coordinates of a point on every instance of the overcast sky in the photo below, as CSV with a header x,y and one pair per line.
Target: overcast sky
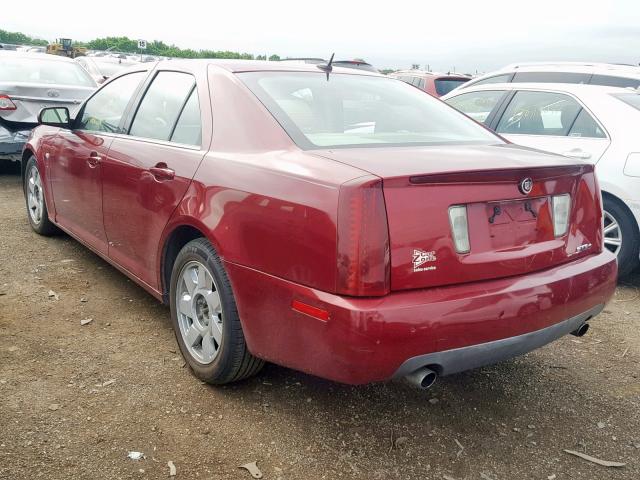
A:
x,y
466,35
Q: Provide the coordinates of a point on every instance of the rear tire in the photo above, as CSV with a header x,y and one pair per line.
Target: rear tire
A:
x,y
205,317
625,232
37,212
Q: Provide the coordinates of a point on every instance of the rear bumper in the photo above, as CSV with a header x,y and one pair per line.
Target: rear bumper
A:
x,y
465,358
375,339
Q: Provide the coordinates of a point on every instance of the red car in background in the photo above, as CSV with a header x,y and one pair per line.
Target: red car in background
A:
x,y
436,84
333,221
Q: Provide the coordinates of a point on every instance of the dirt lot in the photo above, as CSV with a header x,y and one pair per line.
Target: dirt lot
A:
x,y
74,400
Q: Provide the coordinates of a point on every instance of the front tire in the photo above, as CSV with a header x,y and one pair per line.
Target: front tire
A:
x,y
34,197
621,235
205,317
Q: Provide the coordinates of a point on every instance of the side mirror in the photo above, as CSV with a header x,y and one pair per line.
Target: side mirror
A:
x,y
55,117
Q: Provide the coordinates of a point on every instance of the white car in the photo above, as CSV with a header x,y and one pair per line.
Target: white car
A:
x,y
607,74
589,123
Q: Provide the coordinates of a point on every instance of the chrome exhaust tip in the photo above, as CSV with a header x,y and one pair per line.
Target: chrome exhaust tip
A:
x,y
581,330
423,378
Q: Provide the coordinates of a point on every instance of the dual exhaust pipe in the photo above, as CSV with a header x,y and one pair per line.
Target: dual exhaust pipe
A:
x,y
424,377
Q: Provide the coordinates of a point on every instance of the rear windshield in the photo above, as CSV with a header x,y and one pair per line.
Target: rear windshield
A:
x,y
39,70
109,69
358,110
630,98
445,85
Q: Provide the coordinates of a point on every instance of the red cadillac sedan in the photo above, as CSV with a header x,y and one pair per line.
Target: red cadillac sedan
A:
x,y
333,221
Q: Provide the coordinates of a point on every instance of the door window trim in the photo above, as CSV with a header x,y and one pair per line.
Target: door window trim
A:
x,y
125,113
139,97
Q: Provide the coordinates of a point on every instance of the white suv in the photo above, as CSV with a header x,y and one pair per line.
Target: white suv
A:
x,y
607,74
589,123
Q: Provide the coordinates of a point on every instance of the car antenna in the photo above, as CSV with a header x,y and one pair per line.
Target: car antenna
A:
x,y
327,67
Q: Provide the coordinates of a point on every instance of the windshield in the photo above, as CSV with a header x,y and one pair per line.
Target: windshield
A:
x,y
358,110
445,85
631,98
53,72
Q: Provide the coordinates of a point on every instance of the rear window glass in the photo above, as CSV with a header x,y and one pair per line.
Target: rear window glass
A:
x,y
504,78
632,99
41,70
551,77
356,110
611,81
445,85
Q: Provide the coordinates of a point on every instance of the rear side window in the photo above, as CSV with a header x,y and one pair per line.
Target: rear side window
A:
x,y
539,113
188,129
631,99
445,85
586,127
505,78
103,111
551,77
477,105
612,81
161,105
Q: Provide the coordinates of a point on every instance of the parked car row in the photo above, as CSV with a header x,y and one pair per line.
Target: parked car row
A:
x,y
331,220
592,124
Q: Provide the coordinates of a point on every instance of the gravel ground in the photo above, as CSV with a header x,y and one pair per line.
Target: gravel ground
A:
x,y
74,400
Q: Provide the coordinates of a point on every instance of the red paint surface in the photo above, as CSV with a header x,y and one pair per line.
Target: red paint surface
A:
x,y
272,212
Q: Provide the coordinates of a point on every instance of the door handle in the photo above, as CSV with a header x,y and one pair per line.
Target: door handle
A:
x,y
94,159
162,173
577,153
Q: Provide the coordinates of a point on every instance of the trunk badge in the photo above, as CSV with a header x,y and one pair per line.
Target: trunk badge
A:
x,y
525,186
53,93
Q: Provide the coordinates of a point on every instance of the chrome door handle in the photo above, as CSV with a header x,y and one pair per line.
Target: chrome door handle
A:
x,y
162,173
94,159
577,153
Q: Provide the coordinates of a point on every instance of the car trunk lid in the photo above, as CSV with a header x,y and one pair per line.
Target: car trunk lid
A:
x,y
30,98
510,232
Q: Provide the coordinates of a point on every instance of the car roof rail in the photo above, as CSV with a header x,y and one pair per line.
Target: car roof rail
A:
x,y
573,64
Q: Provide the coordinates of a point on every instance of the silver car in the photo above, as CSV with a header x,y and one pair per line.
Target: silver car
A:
x,y
30,82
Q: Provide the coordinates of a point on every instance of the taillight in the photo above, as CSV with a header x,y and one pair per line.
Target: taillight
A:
x,y
561,207
6,103
459,228
363,239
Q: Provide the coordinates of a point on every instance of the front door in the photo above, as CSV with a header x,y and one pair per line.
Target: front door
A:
x,y
148,171
76,169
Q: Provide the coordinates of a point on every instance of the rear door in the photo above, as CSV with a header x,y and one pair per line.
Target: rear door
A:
x,y
148,171
75,169
554,122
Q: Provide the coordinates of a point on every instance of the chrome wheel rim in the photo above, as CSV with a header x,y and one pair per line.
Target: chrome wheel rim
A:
x,y
199,310
612,233
35,195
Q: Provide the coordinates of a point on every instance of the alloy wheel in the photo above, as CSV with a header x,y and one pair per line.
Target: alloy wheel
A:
x,y
612,233
35,195
200,315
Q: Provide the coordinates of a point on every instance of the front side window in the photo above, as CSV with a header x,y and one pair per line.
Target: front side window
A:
x,y
539,113
477,105
103,111
358,110
162,103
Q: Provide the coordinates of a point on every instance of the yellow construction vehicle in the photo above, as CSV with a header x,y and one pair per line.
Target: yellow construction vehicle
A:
x,y
65,48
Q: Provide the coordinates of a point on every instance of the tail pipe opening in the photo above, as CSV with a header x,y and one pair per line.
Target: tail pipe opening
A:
x,y
581,330
423,378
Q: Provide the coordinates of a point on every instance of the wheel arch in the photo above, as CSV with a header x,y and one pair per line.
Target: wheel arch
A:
x,y
26,153
175,238
623,205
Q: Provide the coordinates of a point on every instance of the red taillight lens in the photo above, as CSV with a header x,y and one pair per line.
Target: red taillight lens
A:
x,y
6,103
363,239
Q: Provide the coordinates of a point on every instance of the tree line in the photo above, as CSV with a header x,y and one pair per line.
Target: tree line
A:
x,y
127,45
